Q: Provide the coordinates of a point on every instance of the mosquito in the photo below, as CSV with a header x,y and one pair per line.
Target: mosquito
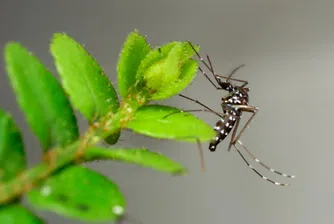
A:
x,y
234,104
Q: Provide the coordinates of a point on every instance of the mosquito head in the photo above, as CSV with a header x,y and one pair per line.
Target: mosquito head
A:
x,y
226,85
241,89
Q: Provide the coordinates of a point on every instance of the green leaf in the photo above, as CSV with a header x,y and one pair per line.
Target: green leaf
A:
x,y
141,157
172,65
16,214
163,67
156,57
89,88
41,98
133,52
11,146
79,193
188,73
166,122
185,67
168,70
188,51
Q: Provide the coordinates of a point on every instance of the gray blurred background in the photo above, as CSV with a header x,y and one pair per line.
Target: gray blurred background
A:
x,y
288,49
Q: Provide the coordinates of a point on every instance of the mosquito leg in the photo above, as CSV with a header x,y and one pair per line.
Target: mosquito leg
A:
x,y
200,149
201,154
207,66
257,172
204,73
236,140
229,77
250,109
207,109
197,110
210,67
234,133
203,105
262,164
199,56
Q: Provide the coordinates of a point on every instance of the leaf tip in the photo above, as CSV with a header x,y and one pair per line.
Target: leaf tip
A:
x,y
180,172
11,44
10,47
59,35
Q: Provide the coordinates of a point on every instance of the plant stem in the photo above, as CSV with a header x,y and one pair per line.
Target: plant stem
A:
x,y
75,153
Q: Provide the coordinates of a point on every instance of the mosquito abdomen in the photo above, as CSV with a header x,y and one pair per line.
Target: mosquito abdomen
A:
x,y
223,127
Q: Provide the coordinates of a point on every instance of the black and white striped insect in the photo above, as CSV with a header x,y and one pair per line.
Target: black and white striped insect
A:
x,y
234,104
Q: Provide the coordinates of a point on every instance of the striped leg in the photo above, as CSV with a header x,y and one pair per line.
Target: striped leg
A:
x,y
257,172
235,140
234,133
200,150
207,109
250,109
264,165
221,115
242,108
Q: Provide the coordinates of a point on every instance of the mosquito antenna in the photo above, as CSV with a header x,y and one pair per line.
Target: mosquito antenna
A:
x,y
257,172
262,164
234,71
